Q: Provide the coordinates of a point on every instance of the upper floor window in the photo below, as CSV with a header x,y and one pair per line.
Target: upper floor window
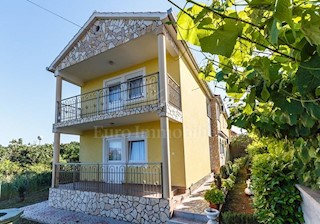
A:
x,y
114,93
135,87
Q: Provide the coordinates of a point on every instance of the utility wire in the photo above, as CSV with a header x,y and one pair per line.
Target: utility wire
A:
x,y
53,13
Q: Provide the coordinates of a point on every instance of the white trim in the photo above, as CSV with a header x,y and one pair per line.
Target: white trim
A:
x,y
123,78
105,158
125,138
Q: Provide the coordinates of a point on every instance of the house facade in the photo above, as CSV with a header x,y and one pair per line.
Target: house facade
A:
x,y
142,118
220,134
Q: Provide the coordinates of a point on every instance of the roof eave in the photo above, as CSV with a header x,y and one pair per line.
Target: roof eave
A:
x,y
92,19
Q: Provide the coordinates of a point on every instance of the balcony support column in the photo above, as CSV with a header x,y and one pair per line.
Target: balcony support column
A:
x,y
56,143
164,120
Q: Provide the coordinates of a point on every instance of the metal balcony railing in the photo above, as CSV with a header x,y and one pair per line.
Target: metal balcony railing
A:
x,y
135,179
174,93
142,91
131,96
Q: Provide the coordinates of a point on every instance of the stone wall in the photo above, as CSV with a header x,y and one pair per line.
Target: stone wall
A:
x,y
106,34
213,140
310,204
125,208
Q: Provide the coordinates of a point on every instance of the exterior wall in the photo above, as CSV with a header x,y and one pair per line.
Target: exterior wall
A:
x,y
177,159
220,130
310,204
151,67
91,145
125,208
91,142
195,127
213,140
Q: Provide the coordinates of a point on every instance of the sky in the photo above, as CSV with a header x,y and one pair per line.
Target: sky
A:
x,y
30,39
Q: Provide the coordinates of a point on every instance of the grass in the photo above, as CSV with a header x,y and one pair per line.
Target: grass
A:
x,y
30,199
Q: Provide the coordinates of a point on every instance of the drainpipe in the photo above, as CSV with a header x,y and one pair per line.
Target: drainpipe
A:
x,y
56,143
164,120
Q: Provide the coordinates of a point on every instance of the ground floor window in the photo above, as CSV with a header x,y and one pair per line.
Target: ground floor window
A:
x,y
127,148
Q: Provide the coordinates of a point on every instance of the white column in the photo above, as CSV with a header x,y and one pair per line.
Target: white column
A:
x,y
56,143
164,120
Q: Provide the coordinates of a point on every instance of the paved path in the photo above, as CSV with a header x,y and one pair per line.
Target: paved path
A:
x,y
195,202
42,213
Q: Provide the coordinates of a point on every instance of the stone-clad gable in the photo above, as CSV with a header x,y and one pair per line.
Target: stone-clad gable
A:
x,y
106,34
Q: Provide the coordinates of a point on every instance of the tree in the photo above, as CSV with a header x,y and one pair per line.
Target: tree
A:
x,y
268,54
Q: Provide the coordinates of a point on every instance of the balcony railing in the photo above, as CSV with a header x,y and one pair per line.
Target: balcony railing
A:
x,y
174,93
134,95
135,179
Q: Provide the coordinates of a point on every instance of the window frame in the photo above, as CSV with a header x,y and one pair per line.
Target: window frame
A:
x,y
137,137
132,75
125,139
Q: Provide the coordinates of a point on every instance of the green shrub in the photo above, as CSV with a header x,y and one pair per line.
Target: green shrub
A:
x,y
224,172
238,218
228,183
214,196
276,199
229,167
217,181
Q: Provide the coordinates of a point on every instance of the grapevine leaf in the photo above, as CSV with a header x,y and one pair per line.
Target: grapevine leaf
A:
x,y
283,11
308,75
317,91
274,32
223,40
265,93
310,26
307,121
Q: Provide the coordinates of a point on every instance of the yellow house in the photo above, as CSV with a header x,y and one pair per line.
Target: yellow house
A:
x,y
142,118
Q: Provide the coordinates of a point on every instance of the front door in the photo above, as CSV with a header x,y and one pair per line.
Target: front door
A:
x,y
115,167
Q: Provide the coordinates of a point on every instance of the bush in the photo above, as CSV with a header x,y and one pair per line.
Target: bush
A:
x,y
238,218
214,196
224,172
228,183
276,199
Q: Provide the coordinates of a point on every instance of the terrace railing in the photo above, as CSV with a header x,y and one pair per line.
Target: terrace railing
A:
x,y
135,179
116,98
132,96
174,93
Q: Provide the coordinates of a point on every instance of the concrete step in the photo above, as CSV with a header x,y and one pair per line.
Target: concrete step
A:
x,y
180,217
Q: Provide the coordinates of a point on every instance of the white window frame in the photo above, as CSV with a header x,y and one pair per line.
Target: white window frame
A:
x,y
131,75
106,84
105,149
138,136
124,78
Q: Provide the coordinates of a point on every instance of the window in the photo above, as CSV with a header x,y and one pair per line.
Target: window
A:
x,y
130,148
135,87
221,147
114,150
218,112
114,93
208,108
137,152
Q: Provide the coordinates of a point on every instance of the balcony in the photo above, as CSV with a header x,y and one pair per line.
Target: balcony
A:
x,y
119,99
134,179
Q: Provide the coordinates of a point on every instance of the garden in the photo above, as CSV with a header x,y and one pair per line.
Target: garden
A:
x,y
267,55
25,169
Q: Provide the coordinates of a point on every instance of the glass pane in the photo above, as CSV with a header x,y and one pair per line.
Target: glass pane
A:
x,y
135,88
114,93
115,150
137,151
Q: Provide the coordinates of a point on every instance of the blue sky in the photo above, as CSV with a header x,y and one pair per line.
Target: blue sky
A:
x,y
30,40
